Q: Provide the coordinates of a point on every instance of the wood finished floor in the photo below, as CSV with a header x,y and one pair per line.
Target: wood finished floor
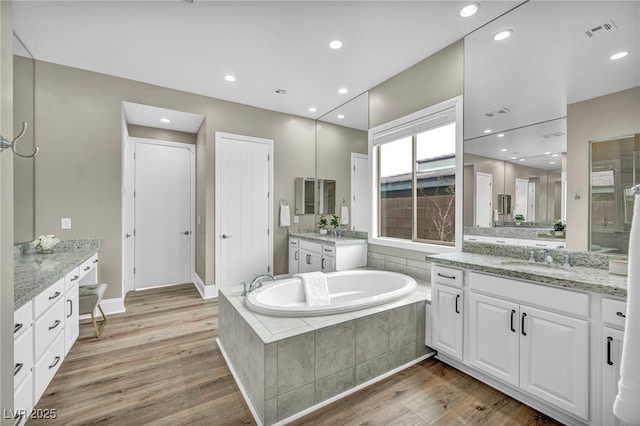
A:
x,y
159,363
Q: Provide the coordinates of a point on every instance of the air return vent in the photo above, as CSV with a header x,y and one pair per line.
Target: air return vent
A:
x,y
601,29
502,110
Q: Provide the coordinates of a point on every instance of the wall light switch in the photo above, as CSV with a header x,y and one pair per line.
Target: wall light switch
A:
x,y
65,223
198,220
296,219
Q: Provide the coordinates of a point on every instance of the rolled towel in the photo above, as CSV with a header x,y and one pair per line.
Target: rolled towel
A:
x,y
344,215
627,404
285,216
315,288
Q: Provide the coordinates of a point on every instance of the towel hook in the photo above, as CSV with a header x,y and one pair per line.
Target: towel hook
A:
x,y
284,202
344,202
6,143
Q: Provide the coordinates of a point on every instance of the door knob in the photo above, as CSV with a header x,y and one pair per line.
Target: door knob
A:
x,y
127,235
186,232
226,236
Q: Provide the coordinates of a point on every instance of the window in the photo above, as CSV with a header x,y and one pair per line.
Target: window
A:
x,y
415,175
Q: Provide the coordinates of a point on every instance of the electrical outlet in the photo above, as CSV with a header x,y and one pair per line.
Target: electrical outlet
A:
x,y
296,219
65,223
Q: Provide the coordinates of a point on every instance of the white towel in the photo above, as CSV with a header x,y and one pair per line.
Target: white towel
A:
x,y
627,404
344,215
285,216
495,215
315,288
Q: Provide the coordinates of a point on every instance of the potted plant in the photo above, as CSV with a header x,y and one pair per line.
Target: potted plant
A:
x,y
335,221
322,224
519,218
45,243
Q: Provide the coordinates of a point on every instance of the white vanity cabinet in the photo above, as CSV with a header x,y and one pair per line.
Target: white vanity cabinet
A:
x,y
532,337
294,256
23,361
71,320
613,318
447,304
328,263
310,256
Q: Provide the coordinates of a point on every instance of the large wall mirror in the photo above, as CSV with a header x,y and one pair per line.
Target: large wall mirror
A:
x,y
516,94
340,134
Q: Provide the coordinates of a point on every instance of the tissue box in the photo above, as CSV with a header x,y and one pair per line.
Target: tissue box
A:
x,y
618,267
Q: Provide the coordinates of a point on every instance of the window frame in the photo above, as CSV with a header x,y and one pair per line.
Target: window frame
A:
x,y
397,126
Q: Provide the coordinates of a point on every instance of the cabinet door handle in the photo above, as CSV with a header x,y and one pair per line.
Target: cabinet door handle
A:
x,y
295,255
322,264
621,315
609,340
449,277
524,315
54,325
17,327
513,312
54,295
70,302
18,419
56,360
457,299
17,368
308,259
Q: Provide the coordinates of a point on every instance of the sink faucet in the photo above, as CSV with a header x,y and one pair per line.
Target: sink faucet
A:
x,y
548,259
256,282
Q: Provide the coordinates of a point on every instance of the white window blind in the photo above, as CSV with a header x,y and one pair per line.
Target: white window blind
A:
x,y
416,126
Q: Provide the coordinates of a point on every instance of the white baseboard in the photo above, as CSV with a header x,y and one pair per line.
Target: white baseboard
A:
x,y
109,306
206,291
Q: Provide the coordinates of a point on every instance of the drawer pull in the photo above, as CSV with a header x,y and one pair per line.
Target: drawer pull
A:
x,y
449,277
75,277
56,294
86,268
56,360
513,312
95,261
54,325
17,327
327,250
620,314
500,241
17,368
524,315
18,419
609,340
457,299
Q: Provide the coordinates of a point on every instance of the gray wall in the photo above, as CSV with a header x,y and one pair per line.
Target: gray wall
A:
x,y
594,119
136,131
6,211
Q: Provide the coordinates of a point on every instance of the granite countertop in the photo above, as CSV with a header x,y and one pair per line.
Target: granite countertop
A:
x,y
34,272
328,239
574,277
272,329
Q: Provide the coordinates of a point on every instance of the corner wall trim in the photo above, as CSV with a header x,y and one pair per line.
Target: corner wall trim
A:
x,y
206,291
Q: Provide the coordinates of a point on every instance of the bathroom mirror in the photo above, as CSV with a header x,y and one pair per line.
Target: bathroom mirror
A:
x,y
615,168
553,58
24,168
340,134
326,190
305,195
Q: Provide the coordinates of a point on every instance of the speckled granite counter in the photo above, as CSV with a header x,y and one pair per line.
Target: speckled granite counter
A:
x,y
319,238
34,272
528,233
574,277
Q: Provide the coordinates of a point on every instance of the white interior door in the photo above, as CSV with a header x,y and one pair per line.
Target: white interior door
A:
x,y
163,213
360,190
531,203
128,211
520,207
484,196
244,209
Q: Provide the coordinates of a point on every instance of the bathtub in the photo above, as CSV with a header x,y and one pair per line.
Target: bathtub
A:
x,y
348,291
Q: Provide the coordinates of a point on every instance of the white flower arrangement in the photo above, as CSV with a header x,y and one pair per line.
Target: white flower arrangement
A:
x,y
45,243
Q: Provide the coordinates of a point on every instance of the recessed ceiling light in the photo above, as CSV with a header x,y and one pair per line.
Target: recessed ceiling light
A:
x,y
547,153
165,120
514,158
229,78
552,162
469,10
488,131
502,35
522,159
555,155
343,91
340,116
313,109
500,135
504,150
619,55
335,44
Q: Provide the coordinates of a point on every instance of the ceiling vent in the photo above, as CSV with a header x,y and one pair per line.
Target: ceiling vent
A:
x,y
553,135
281,91
601,29
502,110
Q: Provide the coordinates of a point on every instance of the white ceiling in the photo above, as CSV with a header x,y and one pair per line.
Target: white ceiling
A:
x,y
267,45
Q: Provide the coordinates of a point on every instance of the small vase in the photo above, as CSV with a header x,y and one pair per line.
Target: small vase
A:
x,y
323,231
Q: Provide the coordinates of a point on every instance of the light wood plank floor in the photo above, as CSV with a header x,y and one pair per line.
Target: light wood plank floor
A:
x,y
158,363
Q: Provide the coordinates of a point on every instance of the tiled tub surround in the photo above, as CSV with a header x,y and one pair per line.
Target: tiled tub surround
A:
x,y
35,272
420,270
287,365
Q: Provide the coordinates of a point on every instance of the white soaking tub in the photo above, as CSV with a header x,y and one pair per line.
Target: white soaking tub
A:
x,y
348,291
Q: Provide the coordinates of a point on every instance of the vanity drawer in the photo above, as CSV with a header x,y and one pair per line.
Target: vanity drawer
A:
x,y
328,250
293,243
474,238
48,327
447,276
22,318
23,400
48,365
23,356
86,267
71,278
614,312
311,246
48,298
